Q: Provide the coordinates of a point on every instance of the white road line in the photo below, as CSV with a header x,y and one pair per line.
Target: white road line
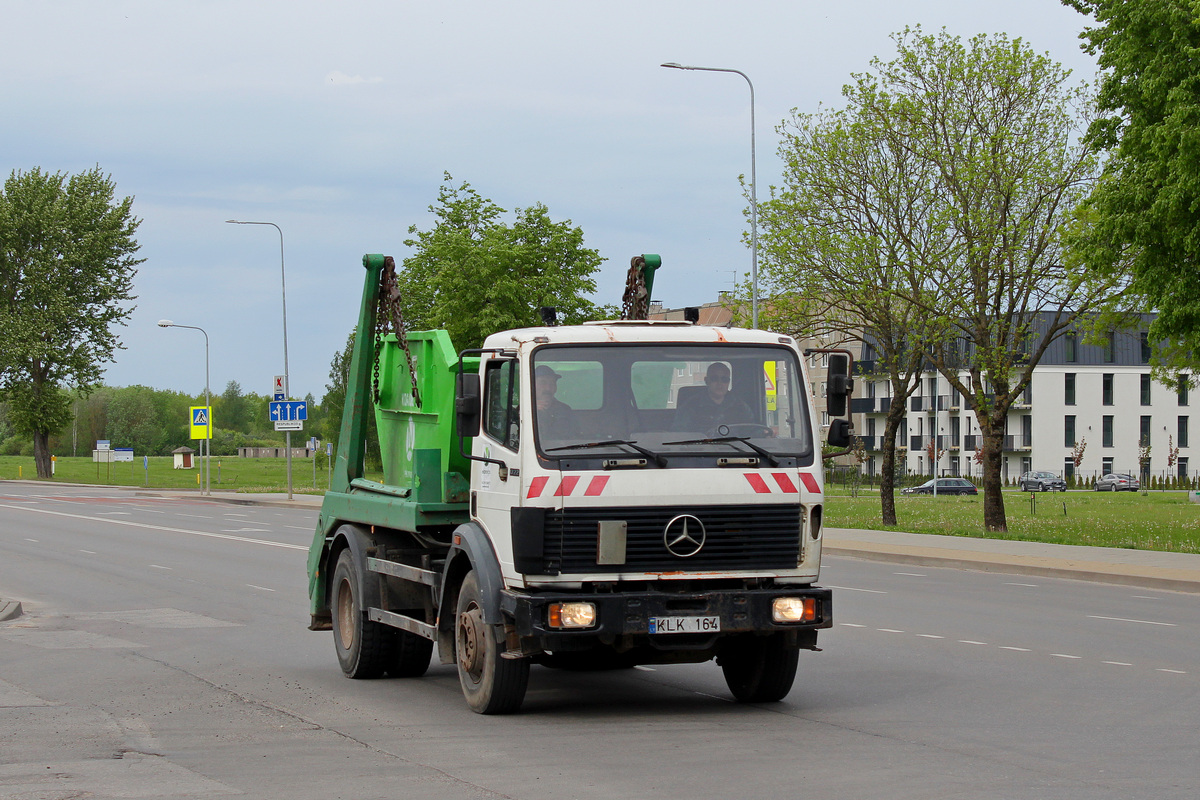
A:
x,y
114,513
852,625
160,566
1143,621
888,630
298,528
147,526
1172,671
195,516
264,588
644,668
1017,649
1118,663
911,574
1146,597
853,589
1027,585
1063,655
89,552
930,636
970,641
35,541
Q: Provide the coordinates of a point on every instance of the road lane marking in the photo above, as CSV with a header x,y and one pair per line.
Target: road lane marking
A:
x,y
160,566
912,574
1142,621
1063,655
853,589
644,668
930,636
35,541
1027,585
1018,649
888,630
852,625
147,526
1118,663
265,589
970,641
89,552
1172,671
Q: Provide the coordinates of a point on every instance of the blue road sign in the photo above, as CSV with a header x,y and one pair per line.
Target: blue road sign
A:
x,y
289,411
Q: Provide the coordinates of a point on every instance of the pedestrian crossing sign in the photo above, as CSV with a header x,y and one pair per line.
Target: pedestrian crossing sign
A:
x,y
201,422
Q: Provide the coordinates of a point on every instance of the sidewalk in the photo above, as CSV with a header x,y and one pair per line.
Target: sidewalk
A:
x,y
1178,572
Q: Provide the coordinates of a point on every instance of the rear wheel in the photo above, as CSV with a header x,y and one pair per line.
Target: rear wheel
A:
x,y
362,646
490,683
760,669
410,654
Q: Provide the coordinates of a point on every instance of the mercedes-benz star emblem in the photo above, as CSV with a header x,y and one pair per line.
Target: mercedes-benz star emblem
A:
x,y
684,536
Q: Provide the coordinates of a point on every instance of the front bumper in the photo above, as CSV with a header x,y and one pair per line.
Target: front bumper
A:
x,y
628,613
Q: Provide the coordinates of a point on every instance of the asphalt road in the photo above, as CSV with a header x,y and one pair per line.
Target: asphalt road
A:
x,y
163,653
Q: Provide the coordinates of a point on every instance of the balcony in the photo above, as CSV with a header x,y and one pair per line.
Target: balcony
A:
x,y
972,442
866,367
916,443
1014,444
943,402
917,403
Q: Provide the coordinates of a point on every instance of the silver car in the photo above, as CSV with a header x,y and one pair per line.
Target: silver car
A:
x,y
1042,482
1118,482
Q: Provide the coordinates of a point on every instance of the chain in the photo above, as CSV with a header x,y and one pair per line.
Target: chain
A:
x,y
634,305
388,312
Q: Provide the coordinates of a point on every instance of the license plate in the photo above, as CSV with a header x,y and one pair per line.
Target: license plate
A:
x,y
685,624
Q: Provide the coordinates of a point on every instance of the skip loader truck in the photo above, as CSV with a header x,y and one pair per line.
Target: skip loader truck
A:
x,y
592,496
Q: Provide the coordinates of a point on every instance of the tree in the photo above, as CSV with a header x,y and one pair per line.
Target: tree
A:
x,y
334,402
849,240
1146,202
473,275
987,173
232,408
66,270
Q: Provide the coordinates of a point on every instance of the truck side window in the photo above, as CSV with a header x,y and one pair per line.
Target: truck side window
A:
x,y
500,393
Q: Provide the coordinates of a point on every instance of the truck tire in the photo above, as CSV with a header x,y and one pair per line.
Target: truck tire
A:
x,y
491,684
410,655
761,669
362,646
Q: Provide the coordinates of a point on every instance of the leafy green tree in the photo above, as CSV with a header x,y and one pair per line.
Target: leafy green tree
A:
x,y
1146,220
232,408
473,274
333,404
66,271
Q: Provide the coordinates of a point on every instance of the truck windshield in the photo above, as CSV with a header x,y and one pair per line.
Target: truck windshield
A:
x,y
669,399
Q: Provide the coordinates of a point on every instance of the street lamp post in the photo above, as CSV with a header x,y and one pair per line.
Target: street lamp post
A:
x,y
287,382
207,441
753,189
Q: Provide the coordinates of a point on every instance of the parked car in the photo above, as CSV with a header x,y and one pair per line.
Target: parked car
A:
x,y
944,486
1042,482
1117,482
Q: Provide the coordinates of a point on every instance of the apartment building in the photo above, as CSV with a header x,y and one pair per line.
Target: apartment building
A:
x,y
1096,398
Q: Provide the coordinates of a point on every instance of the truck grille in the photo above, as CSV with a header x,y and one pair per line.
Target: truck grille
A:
x,y
737,538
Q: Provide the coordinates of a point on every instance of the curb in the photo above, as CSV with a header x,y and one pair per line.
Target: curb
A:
x,y
9,609
1159,578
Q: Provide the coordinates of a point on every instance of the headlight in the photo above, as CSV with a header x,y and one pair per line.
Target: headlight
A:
x,y
571,615
794,609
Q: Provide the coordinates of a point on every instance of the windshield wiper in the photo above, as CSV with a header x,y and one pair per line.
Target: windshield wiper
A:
x,y
658,458
771,459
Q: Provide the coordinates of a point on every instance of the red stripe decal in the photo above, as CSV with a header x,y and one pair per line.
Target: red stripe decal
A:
x,y
756,481
596,486
567,486
785,483
810,482
537,485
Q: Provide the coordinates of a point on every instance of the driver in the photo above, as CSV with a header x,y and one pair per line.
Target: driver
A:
x,y
717,406
554,417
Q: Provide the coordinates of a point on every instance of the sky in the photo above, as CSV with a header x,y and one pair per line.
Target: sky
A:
x,y
337,122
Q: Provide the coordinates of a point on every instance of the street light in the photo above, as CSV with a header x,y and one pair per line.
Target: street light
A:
x,y
753,189
166,323
287,383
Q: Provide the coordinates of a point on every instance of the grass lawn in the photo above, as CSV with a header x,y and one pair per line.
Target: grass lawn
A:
x,y
229,473
1156,521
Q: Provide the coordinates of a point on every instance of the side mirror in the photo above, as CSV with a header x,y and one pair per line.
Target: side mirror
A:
x,y
840,386
839,433
466,404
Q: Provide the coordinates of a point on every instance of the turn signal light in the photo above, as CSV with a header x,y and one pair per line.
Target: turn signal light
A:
x,y
794,609
572,615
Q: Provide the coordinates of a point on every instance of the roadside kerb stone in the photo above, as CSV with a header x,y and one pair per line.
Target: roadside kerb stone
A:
x,y
9,609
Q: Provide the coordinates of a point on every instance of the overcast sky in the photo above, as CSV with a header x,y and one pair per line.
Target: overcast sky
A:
x,y
336,121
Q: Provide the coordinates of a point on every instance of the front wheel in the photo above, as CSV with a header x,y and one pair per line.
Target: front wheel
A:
x,y
760,669
491,684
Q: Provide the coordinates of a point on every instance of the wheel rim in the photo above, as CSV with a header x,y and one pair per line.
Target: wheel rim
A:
x,y
345,611
470,641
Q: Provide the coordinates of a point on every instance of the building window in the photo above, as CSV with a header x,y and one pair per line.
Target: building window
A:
x,y
1069,430
1069,389
1144,439
1106,439
1182,391
1070,345
1068,468
1110,348
1181,437
1106,465
1108,389
1145,347
1183,471
1145,390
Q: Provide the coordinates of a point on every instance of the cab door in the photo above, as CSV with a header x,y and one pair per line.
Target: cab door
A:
x,y
497,489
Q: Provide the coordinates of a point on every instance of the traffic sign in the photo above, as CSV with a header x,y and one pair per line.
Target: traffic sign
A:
x,y
280,385
289,425
288,411
201,422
